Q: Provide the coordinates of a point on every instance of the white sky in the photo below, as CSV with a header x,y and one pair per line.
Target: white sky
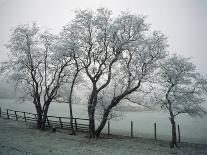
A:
x,y
183,21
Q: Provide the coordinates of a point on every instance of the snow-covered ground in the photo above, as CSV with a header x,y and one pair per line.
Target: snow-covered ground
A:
x,y
20,138
193,130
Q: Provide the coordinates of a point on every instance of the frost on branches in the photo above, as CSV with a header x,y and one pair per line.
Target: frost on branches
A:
x,y
36,65
181,90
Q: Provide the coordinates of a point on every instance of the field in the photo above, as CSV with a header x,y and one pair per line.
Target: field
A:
x,y
193,130
20,138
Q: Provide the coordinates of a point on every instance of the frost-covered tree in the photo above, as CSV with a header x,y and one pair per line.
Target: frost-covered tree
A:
x,y
33,66
69,48
135,73
107,43
181,90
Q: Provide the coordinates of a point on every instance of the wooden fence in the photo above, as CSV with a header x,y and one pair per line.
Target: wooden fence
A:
x,y
80,124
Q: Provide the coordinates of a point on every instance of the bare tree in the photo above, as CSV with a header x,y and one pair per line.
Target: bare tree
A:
x,y
135,77
33,66
106,44
69,48
94,53
102,41
181,90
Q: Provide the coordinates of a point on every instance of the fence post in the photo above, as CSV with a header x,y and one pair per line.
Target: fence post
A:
x,y
76,126
7,112
132,129
36,116
25,118
0,111
155,131
16,115
61,124
48,122
178,133
108,127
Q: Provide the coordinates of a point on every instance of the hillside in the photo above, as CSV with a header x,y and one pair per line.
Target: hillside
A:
x,y
21,138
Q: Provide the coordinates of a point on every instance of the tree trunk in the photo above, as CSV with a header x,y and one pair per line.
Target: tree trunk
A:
x,y
100,128
39,120
70,102
39,116
114,102
71,119
91,113
44,119
102,124
174,139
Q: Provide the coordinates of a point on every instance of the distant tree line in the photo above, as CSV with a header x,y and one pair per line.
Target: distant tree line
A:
x,y
119,59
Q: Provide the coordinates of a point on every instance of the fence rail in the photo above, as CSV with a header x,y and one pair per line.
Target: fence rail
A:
x,y
80,124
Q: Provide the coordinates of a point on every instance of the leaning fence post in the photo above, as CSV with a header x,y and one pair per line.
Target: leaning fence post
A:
x,y
131,129
7,112
155,131
16,115
178,133
61,124
76,127
25,118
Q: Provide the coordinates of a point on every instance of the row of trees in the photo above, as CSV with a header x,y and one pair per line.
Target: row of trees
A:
x,y
119,59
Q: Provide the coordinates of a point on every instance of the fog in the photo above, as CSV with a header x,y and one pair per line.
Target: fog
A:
x,y
6,90
184,22
193,130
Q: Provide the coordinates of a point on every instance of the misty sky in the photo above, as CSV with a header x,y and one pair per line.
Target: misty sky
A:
x,y
183,21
